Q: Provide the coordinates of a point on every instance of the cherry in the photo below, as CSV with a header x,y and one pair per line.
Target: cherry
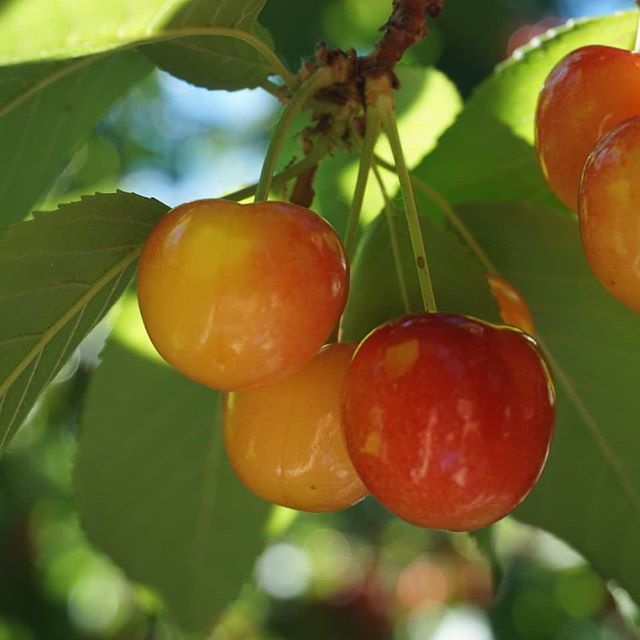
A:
x,y
235,296
608,212
448,419
513,308
285,440
589,92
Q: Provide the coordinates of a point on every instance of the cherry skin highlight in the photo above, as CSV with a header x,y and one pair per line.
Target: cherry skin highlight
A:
x,y
448,419
589,92
513,308
285,441
236,296
609,212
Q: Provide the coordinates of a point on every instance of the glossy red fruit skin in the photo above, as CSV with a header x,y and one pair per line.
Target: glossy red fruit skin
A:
x,y
448,419
238,296
589,92
609,212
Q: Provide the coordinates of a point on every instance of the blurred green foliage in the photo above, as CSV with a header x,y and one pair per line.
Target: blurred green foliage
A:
x,y
357,574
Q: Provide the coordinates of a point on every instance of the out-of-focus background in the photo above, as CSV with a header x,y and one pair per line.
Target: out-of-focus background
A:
x,y
360,574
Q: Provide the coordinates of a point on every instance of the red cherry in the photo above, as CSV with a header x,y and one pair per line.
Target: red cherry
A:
x,y
448,419
589,92
609,208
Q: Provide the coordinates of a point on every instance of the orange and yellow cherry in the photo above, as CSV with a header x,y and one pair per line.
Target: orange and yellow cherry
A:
x,y
235,296
285,440
609,212
513,308
448,419
589,92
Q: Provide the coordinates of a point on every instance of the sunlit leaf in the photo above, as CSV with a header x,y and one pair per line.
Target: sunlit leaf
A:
x,y
72,28
487,154
59,275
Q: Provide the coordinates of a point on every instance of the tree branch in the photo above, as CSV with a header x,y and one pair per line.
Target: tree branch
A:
x,y
406,26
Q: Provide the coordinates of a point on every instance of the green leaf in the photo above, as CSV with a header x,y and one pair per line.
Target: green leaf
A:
x,y
156,492
224,61
72,28
487,154
59,275
589,493
214,62
46,110
459,280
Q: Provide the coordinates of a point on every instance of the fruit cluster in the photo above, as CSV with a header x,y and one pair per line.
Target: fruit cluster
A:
x,y
445,419
588,143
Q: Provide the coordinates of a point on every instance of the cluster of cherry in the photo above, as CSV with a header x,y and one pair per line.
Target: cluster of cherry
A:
x,y
445,419
588,141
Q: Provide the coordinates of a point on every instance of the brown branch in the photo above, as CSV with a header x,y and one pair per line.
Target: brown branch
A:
x,y
406,26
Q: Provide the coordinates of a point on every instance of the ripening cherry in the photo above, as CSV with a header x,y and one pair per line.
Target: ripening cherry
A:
x,y
448,419
236,296
285,440
513,308
609,212
589,92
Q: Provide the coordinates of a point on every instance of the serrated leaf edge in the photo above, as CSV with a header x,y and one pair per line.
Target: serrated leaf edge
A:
x,y
78,309
541,41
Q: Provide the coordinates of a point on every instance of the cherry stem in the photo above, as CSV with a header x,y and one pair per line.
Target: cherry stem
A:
x,y
637,46
293,171
321,78
371,134
390,212
390,126
452,215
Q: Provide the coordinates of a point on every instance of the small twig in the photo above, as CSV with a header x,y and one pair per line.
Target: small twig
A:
x,y
278,91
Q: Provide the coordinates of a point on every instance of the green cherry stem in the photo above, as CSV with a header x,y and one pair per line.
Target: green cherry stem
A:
x,y
390,213
452,215
323,77
371,134
637,46
390,126
293,171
